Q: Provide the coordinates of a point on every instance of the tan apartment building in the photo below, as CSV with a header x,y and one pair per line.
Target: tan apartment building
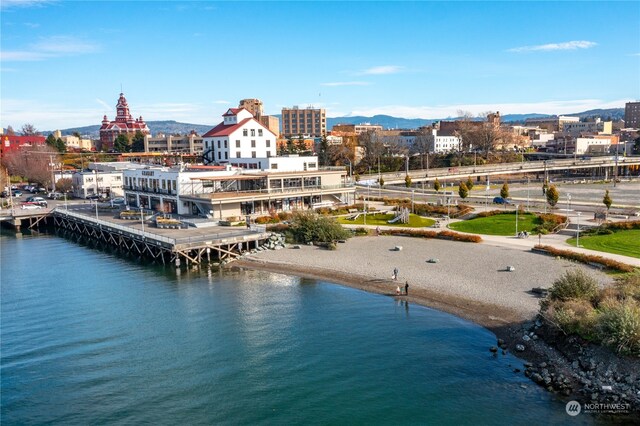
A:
x,y
308,121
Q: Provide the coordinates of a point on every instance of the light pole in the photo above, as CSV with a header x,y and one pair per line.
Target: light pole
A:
x,y
517,208
568,203
96,208
350,173
578,233
142,218
412,195
528,193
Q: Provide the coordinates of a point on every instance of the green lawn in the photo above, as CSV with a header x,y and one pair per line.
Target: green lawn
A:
x,y
499,224
381,219
625,242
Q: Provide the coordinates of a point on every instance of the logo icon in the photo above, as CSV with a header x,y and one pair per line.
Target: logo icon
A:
x,y
573,408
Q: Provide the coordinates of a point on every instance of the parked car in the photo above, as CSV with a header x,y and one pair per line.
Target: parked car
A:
x,y
16,193
117,200
37,200
55,196
38,190
500,200
30,206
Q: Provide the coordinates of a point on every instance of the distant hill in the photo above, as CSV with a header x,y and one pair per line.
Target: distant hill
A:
x,y
389,122
386,121
169,127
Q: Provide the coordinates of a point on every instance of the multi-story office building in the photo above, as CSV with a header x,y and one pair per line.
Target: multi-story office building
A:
x,y
632,115
308,122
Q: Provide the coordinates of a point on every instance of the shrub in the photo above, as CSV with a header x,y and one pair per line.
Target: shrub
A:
x,y
361,231
610,264
311,227
574,284
575,317
619,326
628,285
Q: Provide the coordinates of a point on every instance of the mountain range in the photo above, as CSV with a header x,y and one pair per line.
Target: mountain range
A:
x,y
386,121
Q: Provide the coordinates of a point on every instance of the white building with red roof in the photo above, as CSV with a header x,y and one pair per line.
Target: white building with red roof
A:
x,y
242,141
124,123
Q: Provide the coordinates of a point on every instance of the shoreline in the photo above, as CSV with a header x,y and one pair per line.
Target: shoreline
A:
x,y
490,316
570,368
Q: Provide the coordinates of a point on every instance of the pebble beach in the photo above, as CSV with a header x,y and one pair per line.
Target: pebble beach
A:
x,y
469,280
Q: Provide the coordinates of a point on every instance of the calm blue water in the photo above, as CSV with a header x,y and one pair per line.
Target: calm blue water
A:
x,y
91,338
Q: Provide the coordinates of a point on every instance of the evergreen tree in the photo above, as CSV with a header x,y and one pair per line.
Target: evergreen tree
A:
x,y
436,185
469,183
463,191
291,147
381,182
552,195
122,143
607,200
504,191
301,146
407,181
137,143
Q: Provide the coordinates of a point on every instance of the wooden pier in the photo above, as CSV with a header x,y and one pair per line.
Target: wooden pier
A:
x,y
183,246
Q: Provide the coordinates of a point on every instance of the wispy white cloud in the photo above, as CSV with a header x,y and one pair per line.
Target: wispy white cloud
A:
x,y
51,47
346,83
383,69
105,105
567,45
443,111
634,54
31,25
8,4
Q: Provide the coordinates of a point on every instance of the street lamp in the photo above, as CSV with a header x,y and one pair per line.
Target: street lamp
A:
x,y
568,203
412,194
96,209
517,208
350,173
578,233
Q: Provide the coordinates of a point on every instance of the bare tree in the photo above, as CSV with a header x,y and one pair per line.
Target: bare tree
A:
x,y
482,135
32,163
29,129
422,144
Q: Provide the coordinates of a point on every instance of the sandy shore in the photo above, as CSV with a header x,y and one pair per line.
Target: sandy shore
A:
x,y
470,280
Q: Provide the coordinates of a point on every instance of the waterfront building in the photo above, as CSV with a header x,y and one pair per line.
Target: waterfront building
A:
x,y
241,141
221,192
255,107
632,115
442,141
123,124
308,121
188,144
95,182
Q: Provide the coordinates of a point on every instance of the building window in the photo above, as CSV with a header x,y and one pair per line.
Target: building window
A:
x,y
245,132
274,166
237,154
253,144
268,143
253,154
253,132
219,155
237,143
312,165
225,144
268,154
259,132
226,155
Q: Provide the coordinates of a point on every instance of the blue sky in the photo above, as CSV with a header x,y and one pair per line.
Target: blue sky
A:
x,y
63,62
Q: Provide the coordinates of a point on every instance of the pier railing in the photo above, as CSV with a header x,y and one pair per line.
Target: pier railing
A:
x,y
198,239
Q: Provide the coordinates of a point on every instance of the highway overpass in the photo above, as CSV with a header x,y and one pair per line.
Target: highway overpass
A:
x,y
606,165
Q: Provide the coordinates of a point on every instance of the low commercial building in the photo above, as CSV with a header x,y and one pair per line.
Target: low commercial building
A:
x,y
189,144
221,192
93,182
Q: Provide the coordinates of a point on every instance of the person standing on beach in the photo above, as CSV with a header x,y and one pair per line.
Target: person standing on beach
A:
x,y
406,288
395,274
